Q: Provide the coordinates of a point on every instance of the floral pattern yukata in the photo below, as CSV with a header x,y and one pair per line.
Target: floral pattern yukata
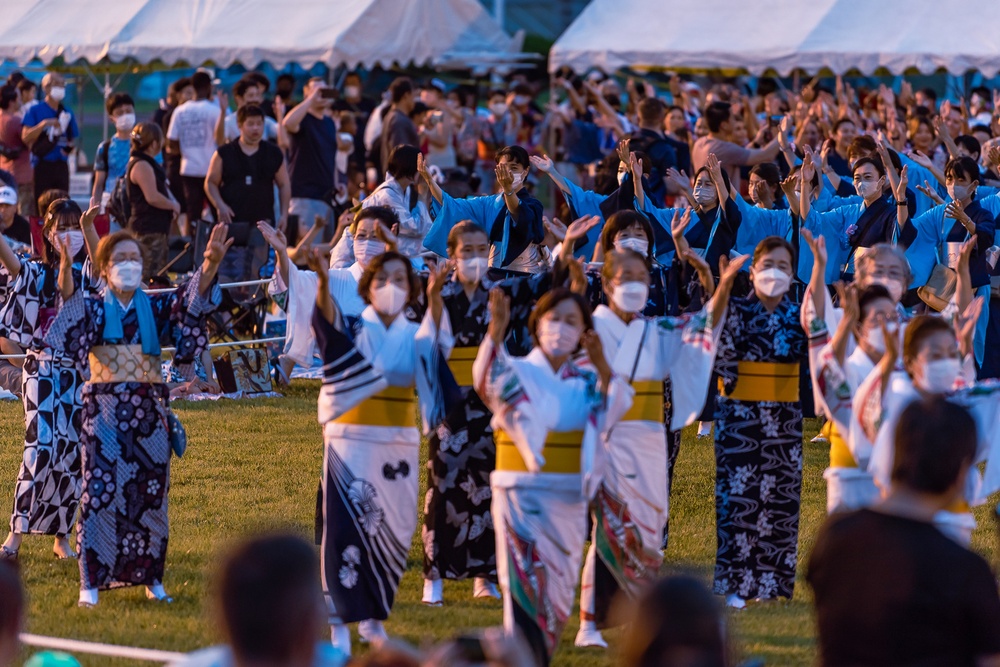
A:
x,y
758,457
458,533
124,439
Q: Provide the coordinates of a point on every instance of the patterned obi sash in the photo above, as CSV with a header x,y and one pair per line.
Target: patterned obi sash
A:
x,y
460,363
123,363
562,453
393,406
647,405
765,381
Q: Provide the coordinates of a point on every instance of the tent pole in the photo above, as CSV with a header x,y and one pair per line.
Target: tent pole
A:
x,y
499,9
107,92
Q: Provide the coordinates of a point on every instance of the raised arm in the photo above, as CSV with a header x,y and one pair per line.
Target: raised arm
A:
x,y
90,237
817,281
902,212
715,172
635,166
678,225
9,258
432,185
848,297
435,282
293,119
324,302
506,182
727,275
220,123
276,239
544,164
216,249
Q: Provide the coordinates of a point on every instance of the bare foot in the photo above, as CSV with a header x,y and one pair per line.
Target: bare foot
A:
x,y
62,549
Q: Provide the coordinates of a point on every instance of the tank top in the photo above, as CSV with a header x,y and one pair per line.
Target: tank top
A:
x,y
144,218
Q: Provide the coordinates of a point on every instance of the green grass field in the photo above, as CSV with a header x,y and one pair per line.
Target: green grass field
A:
x,y
254,465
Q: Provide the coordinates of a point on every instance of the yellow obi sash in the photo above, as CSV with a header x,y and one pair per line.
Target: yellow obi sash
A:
x,y
460,363
124,363
561,452
840,454
393,406
760,381
648,402
959,507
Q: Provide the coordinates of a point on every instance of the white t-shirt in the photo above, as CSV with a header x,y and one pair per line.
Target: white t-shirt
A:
x,y
193,126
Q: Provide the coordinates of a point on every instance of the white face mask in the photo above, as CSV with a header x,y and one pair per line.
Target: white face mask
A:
x,y
868,189
519,181
58,93
366,251
73,238
345,137
876,339
939,376
125,276
498,109
771,282
473,268
640,246
704,195
352,91
557,339
125,122
960,192
389,299
895,287
521,100
631,296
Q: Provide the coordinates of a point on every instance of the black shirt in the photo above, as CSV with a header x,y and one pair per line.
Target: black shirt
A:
x,y
143,217
312,157
896,591
248,180
19,230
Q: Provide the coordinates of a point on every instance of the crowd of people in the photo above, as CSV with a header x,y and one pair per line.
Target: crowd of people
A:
x,y
744,261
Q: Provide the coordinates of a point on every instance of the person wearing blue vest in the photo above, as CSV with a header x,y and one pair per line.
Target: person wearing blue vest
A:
x,y
941,231
716,222
859,226
512,218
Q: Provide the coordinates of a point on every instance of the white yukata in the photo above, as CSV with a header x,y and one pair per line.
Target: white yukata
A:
x,y
300,299
849,485
874,421
371,458
631,505
549,427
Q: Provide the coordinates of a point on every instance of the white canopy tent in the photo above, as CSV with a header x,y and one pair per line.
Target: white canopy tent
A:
x,y
224,32
780,36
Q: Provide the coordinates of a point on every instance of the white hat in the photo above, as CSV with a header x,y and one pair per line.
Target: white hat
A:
x,y
8,195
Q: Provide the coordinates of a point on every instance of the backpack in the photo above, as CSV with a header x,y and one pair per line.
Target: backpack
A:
x,y
119,206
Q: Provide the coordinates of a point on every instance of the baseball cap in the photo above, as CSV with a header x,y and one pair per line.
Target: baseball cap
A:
x,y
8,195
